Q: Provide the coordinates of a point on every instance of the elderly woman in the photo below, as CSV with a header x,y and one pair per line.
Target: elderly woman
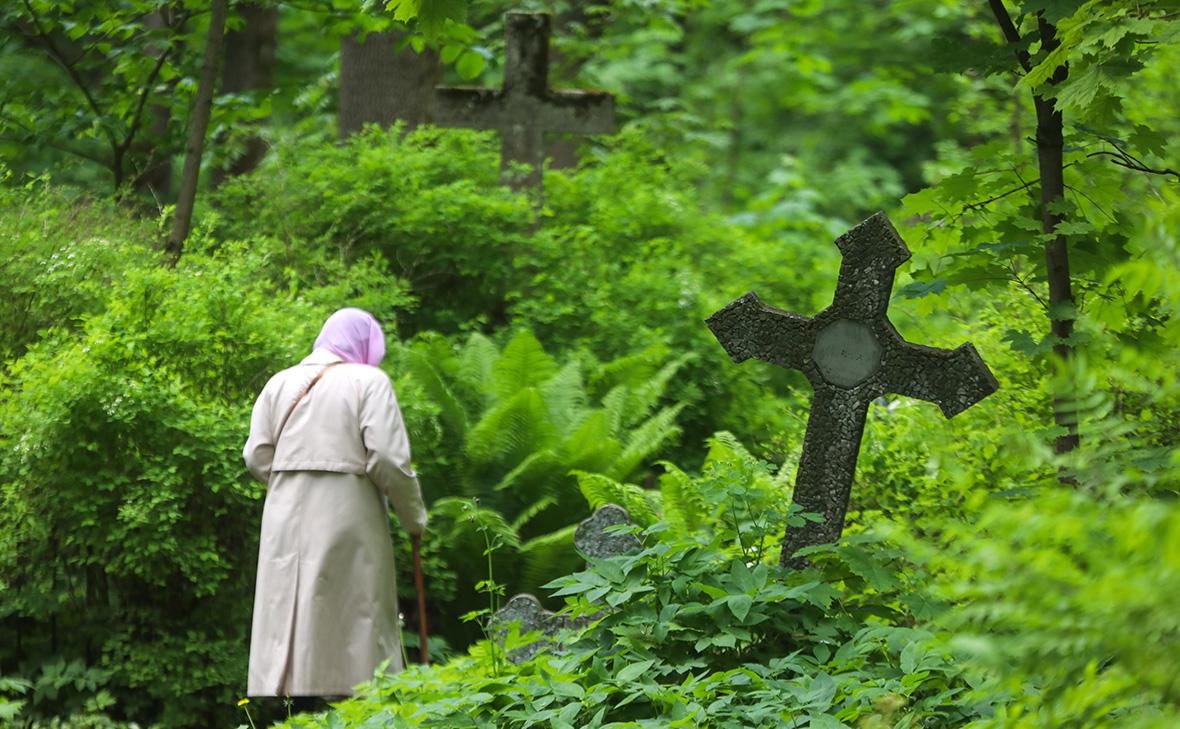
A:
x,y
327,438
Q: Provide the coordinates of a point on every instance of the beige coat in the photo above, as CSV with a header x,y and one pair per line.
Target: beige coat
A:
x,y
325,604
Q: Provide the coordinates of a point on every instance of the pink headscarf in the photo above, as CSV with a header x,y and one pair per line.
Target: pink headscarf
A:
x,y
354,335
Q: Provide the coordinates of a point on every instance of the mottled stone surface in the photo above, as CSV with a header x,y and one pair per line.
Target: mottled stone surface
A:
x,y
526,610
846,352
524,108
592,539
835,350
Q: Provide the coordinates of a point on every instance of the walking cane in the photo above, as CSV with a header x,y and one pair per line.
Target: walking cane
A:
x,y
419,585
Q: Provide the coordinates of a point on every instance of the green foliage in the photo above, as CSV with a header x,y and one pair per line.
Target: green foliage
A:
x,y
507,427
557,347
121,429
1066,599
78,78
50,244
736,500
701,639
622,256
430,203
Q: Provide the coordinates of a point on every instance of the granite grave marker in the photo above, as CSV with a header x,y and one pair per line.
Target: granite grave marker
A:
x,y
851,355
524,108
592,539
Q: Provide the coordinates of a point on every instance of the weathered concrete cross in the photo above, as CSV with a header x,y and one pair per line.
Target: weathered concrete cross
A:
x,y
851,354
525,107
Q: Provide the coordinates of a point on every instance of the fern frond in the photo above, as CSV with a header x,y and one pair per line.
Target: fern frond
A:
x,y
473,370
511,430
614,407
426,375
467,517
591,447
724,447
631,370
522,364
565,397
644,396
646,440
600,490
683,505
541,466
531,511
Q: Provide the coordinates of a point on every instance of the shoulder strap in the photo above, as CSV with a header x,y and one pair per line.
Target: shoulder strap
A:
x,y
300,399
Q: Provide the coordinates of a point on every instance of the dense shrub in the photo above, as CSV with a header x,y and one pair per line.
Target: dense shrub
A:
x,y
127,525
619,256
58,256
700,639
430,203
1068,601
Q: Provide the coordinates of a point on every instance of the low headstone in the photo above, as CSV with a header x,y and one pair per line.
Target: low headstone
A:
x,y
524,108
851,355
593,539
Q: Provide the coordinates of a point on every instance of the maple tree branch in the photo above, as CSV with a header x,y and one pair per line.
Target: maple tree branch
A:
x,y
1025,285
1008,28
1023,186
1123,158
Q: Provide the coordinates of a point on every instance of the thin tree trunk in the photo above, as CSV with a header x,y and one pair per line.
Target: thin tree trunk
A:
x,y
1050,153
198,125
1051,169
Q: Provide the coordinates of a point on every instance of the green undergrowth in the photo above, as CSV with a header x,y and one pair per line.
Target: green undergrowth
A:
x,y
693,637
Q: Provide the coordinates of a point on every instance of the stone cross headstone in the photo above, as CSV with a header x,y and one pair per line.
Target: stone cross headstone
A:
x,y
524,108
851,354
592,539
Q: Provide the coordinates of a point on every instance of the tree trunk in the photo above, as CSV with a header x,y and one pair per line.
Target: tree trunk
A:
x,y
198,125
1050,153
381,85
1051,170
249,66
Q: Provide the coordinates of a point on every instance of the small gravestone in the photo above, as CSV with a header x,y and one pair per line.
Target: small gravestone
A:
x,y
526,612
851,354
524,108
593,539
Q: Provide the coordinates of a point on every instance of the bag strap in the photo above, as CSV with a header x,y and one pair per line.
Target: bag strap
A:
x,y
300,399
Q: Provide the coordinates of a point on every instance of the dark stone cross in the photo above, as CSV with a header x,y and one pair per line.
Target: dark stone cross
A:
x,y
851,354
525,107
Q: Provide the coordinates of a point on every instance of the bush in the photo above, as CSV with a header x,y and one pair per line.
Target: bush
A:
x,y
128,526
58,256
699,639
1067,600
